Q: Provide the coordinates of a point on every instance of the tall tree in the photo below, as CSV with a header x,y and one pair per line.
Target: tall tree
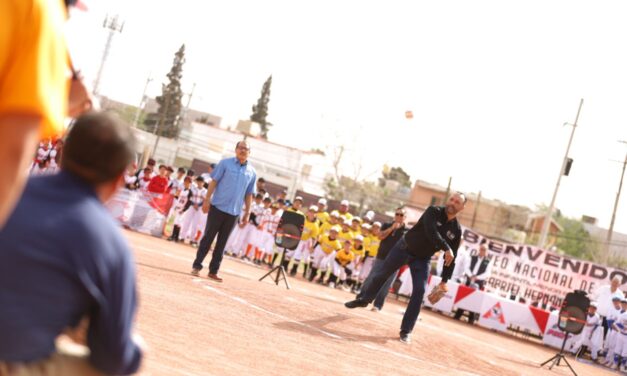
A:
x,y
165,122
260,110
396,174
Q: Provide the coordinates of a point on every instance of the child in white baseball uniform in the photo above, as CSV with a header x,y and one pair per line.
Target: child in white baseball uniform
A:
x,y
610,339
620,340
267,227
192,218
180,204
592,335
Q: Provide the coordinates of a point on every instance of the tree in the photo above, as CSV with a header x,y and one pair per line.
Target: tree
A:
x,y
396,174
204,120
165,122
368,195
260,110
576,241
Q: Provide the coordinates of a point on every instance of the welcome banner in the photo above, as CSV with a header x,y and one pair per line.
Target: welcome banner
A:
x,y
536,274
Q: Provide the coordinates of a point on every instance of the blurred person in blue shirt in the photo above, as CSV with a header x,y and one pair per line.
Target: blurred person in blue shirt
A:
x,y
63,260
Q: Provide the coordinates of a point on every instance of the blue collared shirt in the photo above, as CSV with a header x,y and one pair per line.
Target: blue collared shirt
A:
x,y
234,182
63,257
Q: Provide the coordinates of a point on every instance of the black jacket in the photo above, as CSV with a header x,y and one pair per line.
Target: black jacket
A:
x,y
432,233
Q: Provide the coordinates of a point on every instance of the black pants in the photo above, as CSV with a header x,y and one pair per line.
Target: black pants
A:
x,y
218,223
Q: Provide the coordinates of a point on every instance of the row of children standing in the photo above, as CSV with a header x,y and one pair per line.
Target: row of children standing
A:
x,y
336,248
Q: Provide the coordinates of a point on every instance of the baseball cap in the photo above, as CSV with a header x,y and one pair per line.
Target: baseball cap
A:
x,y
360,238
322,201
298,198
616,298
369,215
378,224
347,222
366,226
344,202
593,304
313,208
334,228
356,219
335,214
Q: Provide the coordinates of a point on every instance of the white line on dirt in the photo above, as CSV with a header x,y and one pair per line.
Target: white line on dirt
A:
x,y
330,297
368,346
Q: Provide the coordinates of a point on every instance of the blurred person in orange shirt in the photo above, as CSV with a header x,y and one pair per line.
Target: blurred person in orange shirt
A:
x,y
35,87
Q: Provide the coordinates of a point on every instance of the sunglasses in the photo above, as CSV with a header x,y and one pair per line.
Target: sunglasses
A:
x,y
399,214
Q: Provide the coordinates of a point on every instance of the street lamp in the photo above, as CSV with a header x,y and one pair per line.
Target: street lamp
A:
x,y
115,26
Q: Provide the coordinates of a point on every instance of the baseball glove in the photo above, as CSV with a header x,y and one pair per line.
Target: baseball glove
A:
x,y
437,293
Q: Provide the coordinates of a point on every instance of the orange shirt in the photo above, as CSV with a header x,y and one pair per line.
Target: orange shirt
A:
x,y
34,70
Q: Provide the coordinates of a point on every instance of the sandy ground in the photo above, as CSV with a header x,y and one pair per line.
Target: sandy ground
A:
x,y
194,326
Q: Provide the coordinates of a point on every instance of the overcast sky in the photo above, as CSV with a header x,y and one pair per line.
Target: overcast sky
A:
x,y
490,83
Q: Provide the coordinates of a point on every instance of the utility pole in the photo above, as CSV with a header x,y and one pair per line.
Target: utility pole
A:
x,y
115,26
474,214
549,213
448,190
620,187
189,101
140,108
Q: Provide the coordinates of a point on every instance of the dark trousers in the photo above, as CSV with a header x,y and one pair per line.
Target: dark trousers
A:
x,y
419,269
218,223
379,300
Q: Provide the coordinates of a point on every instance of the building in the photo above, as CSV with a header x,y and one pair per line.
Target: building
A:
x,y
491,218
618,245
281,165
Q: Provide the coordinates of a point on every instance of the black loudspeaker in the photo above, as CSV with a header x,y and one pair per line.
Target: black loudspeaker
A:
x,y
572,316
290,230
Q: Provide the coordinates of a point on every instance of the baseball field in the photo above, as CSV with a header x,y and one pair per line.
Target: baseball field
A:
x,y
194,326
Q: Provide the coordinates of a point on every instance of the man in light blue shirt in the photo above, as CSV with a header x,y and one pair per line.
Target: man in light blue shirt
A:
x,y
232,187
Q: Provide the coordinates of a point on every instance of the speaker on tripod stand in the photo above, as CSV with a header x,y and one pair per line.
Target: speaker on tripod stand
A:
x,y
572,319
287,236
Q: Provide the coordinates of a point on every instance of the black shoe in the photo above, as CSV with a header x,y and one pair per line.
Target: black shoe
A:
x,y
405,338
356,303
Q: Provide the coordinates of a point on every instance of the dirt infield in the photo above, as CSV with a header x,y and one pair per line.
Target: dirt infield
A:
x,y
194,326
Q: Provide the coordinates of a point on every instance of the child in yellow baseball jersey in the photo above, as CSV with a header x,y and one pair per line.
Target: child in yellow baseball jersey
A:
x,y
371,243
324,253
342,265
307,239
346,233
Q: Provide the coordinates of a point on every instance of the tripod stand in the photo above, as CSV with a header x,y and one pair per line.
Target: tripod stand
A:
x,y
559,357
280,272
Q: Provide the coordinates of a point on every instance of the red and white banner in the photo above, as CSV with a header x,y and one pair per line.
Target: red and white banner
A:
x,y
496,312
140,211
536,274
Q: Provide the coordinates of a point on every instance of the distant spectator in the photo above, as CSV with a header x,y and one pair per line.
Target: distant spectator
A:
x,y
207,175
261,185
603,296
145,178
389,235
159,184
176,182
477,272
151,165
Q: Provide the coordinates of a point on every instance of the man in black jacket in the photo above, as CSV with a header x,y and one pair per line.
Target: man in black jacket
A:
x,y
436,230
